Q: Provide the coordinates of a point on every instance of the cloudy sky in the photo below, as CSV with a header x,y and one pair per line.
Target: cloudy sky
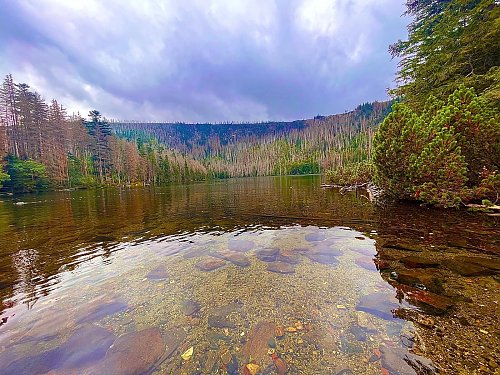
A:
x,y
201,60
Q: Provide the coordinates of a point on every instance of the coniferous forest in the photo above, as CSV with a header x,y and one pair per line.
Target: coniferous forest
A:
x,y
43,147
441,145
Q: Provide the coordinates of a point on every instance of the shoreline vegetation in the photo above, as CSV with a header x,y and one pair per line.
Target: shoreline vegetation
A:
x,y
43,148
437,143
440,145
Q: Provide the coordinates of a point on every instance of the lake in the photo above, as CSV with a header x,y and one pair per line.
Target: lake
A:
x,y
267,275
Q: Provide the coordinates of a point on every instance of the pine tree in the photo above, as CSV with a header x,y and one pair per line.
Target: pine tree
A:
x,y
100,131
450,42
443,155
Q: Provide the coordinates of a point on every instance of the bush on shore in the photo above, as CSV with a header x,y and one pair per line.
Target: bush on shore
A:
x,y
445,155
351,174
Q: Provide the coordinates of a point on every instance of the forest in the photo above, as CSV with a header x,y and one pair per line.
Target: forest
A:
x,y
42,147
440,144
268,148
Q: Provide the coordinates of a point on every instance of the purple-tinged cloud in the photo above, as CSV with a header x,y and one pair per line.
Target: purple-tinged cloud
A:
x,y
196,60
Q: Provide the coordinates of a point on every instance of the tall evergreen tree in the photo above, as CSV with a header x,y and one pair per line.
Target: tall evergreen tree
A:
x,y
100,131
450,42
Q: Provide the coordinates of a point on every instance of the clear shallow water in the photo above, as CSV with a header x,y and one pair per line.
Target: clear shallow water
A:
x,y
272,272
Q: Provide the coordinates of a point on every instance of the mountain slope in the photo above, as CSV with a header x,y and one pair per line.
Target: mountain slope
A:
x,y
267,148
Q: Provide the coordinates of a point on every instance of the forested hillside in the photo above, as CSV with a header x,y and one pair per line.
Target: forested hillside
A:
x,y
41,146
267,148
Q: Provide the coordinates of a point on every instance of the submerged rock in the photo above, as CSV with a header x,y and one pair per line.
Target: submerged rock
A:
x,y
251,369
468,269
415,261
322,253
99,311
381,264
210,363
216,321
232,366
208,265
215,337
230,308
84,347
416,317
401,246
194,253
281,267
491,263
473,266
288,256
279,332
322,258
325,249
322,339
274,254
230,362
258,337
401,362
430,302
37,364
358,332
271,343
349,346
7,356
281,367
378,304
235,244
49,326
158,274
233,257
315,237
190,307
345,371
134,353
388,255
219,316
267,255
172,338
420,278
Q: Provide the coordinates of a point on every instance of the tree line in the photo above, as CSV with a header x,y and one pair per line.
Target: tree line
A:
x,y
41,147
269,148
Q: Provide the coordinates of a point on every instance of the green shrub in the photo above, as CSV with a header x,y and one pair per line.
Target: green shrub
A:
x,y
303,167
446,154
3,177
351,174
26,176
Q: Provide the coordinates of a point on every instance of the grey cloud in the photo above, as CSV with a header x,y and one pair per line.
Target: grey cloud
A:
x,y
196,60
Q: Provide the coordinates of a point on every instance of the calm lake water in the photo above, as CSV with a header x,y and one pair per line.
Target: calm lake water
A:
x,y
245,276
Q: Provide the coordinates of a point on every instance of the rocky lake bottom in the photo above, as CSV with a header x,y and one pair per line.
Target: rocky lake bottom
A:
x,y
280,299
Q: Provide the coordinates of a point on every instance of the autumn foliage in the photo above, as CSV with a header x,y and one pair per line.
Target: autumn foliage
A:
x,y
42,146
